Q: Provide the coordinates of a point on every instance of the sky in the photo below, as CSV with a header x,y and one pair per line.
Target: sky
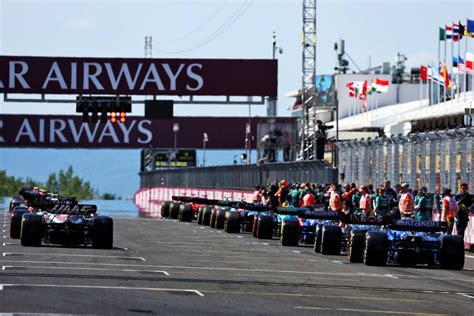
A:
x,y
374,30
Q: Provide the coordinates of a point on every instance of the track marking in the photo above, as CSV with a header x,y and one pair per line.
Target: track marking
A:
x,y
296,251
368,298
128,288
70,255
340,262
353,310
469,256
392,276
265,243
79,268
465,295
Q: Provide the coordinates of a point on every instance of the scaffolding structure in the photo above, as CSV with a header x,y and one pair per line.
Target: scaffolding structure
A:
x,y
308,137
436,160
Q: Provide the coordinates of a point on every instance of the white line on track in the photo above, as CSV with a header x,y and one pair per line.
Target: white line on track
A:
x,y
71,255
296,251
469,256
465,295
392,276
335,261
79,268
128,288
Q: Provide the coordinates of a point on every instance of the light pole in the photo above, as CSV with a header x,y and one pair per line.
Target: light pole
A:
x,y
205,139
175,130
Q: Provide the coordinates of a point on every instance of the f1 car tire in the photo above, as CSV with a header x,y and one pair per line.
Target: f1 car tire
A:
x,y
310,235
212,222
174,210
200,215
318,237
15,223
290,233
452,252
220,218
255,226
232,222
331,241
356,246
31,230
186,213
102,236
102,232
165,209
206,215
265,227
375,252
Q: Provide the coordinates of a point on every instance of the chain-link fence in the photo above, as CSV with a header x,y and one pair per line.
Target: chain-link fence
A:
x,y
436,160
239,176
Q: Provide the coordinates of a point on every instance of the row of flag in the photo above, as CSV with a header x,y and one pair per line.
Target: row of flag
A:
x,y
361,89
455,32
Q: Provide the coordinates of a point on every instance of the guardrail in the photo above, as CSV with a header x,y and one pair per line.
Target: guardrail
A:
x,y
239,177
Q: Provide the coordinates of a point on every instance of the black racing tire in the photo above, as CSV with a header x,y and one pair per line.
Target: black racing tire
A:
x,y
174,210
249,224
452,252
200,215
310,235
265,227
102,232
318,238
15,223
31,230
255,226
220,218
375,250
290,233
206,215
356,247
186,213
165,209
332,240
212,221
232,222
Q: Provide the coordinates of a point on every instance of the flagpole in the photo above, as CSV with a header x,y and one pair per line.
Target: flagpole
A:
x,y
458,85
465,67
445,40
421,91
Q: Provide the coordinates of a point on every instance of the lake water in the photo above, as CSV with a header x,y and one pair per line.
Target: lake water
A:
x,y
115,208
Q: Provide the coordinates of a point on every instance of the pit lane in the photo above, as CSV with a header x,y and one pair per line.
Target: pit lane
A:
x,y
171,267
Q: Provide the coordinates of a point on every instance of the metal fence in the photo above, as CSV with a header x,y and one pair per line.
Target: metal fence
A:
x,y
436,160
239,176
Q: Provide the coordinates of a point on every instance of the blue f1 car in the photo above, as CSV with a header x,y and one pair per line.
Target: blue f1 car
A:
x,y
411,242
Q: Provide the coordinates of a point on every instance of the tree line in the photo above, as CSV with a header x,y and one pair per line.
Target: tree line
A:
x,y
64,182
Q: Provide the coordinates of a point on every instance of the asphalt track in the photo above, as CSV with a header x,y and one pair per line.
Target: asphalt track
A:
x,y
168,267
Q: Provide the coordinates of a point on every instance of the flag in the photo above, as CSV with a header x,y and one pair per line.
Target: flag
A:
x,y
445,75
469,28
449,32
381,86
358,89
442,34
461,65
462,30
423,73
455,32
469,62
455,64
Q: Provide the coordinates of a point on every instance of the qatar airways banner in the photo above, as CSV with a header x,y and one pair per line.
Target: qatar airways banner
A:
x,y
63,131
135,76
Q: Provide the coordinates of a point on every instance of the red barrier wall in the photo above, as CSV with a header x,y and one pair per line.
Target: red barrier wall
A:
x,y
148,200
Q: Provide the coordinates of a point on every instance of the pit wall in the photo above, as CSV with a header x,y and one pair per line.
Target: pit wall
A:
x,y
147,201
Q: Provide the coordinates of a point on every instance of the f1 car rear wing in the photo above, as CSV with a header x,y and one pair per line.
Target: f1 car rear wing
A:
x,y
223,203
355,219
419,226
77,209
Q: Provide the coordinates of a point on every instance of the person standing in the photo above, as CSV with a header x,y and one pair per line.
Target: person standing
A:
x,y
381,202
449,209
405,205
335,203
464,200
422,212
365,203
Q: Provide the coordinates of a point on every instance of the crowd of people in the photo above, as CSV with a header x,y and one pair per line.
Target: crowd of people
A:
x,y
398,201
